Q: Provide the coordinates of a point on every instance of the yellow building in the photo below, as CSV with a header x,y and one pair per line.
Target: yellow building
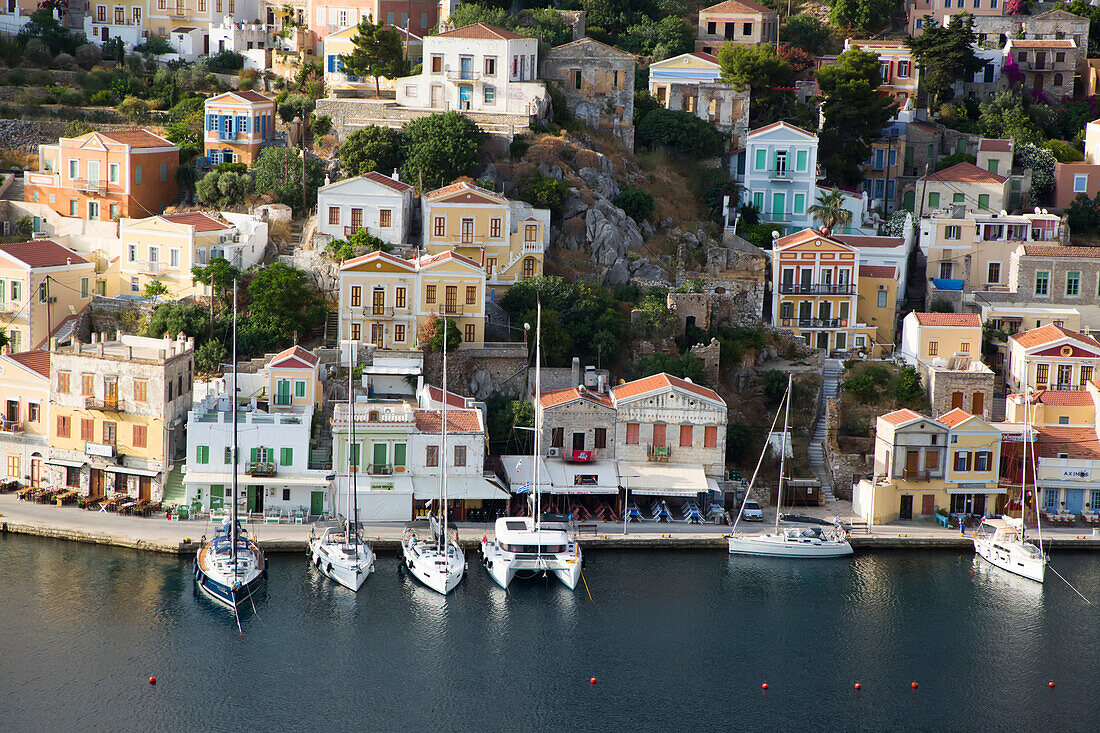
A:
x,y
385,300
977,248
876,305
922,465
117,413
816,291
25,421
1075,408
926,337
507,238
966,185
42,285
165,248
293,380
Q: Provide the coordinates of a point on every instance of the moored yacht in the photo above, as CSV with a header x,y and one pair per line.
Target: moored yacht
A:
x,y
1000,542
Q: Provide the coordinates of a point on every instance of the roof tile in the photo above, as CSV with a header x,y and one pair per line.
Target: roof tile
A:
x,y
965,173
481,31
660,381
1078,443
972,320
1049,334
42,253
458,421
36,360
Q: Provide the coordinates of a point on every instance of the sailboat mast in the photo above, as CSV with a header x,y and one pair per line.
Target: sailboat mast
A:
x,y
353,498
235,449
536,489
783,452
441,541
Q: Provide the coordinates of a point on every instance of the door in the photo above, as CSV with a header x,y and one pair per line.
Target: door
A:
x,y
1075,500
912,462
255,498
466,66
145,488
978,505
452,299
578,441
956,400
436,96
464,95
908,200
95,484
779,206
316,503
823,341
282,392
928,504
659,435
110,392
380,458
206,45
905,511
36,472
977,404
93,173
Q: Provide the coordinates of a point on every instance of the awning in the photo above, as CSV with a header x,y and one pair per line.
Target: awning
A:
x,y
663,479
984,489
557,476
458,487
148,473
947,283
712,484
227,478
69,464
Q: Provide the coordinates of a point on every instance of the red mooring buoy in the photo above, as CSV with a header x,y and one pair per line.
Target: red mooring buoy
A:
x,y
859,686
1050,684
764,686
591,680
152,680
913,685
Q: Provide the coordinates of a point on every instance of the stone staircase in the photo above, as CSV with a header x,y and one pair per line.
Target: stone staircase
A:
x,y
999,408
830,387
14,191
174,492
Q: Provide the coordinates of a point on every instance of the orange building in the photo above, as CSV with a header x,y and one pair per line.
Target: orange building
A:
x,y
102,176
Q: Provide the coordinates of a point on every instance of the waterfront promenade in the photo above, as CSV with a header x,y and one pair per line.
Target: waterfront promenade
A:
x,y
160,535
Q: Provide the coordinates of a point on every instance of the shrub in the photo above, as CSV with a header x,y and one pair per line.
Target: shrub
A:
x,y
861,386
544,191
210,356
225,61
518,148
878,374
371,148
941,305
681,132
636,202
76,128
954,159
247,79
41,78
223,188
17,77
88,55
440,148
1064,152
36,53
65,62
70,97
322,125
133,109
908,388
154,46
30,96
296,105
102,98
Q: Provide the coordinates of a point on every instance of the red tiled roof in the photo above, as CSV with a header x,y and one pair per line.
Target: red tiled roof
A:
x,y
993,145
704,56
953,418
449,255
1064,397
736,6
453,400
659,381
36,360
201,222
136,138
42,253
1048,334
965,173
787,125
252,96
897,417
298,358
463,421
972,320
1053,250
561,396
457,187
1049,43
1080,443
481,31
877,271
385,180
862,240
354,261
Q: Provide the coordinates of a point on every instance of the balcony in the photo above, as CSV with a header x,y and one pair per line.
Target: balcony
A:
x,y
578,456
350,230
532,248
148,267
448,309
822,322
658,453
116,22
104,404
11,427
910,475
10,306
380,469
816,289
463,75
260,469
780,174
90,186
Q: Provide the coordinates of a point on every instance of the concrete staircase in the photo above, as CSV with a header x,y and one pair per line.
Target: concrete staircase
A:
x,y
830,387
14,191
999,408
173,486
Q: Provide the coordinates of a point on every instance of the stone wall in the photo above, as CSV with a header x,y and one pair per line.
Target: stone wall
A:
x,y
480,373
349,115
710,354
605,99
106,315
844,468
941,384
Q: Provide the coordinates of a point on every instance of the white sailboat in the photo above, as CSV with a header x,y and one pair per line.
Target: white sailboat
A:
x,y
230,566
796,542
437,562
526,547
340,552
1003,542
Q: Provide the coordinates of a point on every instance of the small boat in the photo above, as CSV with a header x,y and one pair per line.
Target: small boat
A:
x,y
526,547
230,566
340,552
438,562
813,541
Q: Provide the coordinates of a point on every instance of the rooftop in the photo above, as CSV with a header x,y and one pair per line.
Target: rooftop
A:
x,y
1039,43
294,358
955,417
36,360
994,145
134,138
863,240
130,348
965,173
1049,334
897,417
970,320
481,31
1054,250
1077,443
882,271
387,181
661,381
737,6
561,396
462,421
42,253
202,222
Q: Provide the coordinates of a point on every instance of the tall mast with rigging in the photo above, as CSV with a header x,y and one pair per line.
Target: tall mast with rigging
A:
x,y
783,452
441,541
235,449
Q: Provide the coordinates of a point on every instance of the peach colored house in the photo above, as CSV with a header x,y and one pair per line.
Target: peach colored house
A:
x,y
329,16
735,21
941,11
102,176
237,126
1073,179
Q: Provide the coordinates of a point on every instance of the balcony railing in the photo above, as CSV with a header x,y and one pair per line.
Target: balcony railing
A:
x,y
816,289
116,21
658,453
104,404
821,322
11,427
149,268
95,186
463,75
380,469
10,306
780,174
448,309
909,475
532,248
578,456
380,311
350,230
260,468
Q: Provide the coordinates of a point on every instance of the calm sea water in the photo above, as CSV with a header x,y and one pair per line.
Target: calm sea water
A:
x,y
678,641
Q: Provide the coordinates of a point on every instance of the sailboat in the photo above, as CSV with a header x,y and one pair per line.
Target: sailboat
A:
x,y
340,552
800,542
1003,542
439,562
530,546
230,566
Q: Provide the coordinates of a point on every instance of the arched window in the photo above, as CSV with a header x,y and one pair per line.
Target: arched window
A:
x,y
1057,80
373,416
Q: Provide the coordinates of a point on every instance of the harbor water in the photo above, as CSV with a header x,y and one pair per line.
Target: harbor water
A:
x,y
677,641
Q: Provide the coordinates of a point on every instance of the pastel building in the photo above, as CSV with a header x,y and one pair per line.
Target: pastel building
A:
x,y
964,185
43,285
1073,179
735,21
976,246
381,204
325,17
1051,357
238,125
25,416
897,67
692,82
342,43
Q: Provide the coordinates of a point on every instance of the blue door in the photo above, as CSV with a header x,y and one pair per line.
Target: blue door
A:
x,y
464,95
1075,500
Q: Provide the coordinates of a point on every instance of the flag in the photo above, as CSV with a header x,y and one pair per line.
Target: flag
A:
x,y
523,488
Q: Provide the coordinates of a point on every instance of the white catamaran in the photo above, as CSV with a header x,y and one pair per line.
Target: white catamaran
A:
x,y
438,562
799,542
525,547
1003,542
341,553
230,566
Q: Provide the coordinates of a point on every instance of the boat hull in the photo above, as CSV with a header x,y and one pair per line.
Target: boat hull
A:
x,y
504,567
440,571
223,593
778,546
349,573
1010,558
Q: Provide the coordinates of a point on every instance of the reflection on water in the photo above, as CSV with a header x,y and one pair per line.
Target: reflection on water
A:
x,y
678,641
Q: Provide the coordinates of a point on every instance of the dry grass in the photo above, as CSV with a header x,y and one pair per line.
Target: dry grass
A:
x,y
671,181
18,159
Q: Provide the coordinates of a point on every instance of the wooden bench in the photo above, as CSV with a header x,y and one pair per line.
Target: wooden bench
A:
x,y
589,527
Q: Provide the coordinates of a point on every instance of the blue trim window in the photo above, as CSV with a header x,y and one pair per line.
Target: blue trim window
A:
x,y
1050,498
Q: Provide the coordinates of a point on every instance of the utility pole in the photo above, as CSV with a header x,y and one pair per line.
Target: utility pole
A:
x,y
305,197
49,321
922,192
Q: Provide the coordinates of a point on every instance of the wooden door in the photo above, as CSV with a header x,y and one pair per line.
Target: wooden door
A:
x,y
905,511
978,404
659,435
36,472
912,461
316,503
578,441
145,488
95,484
956,400
928,504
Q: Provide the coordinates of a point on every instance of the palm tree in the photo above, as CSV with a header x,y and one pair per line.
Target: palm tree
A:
x,y
830,210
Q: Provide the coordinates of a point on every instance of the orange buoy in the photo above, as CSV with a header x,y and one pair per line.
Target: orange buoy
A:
x,y
859,686
913,685
764,686
1050,684
592,680
153,680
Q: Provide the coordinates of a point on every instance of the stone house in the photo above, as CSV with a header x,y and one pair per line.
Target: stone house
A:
x,y
735,21
597,82
1048,66
691,82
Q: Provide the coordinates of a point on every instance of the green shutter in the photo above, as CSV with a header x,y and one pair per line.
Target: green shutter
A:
x,y
909,153
761,159
254,455
931,152
300,388
983,200
933,199
800,161
958,198
399,454
993,165
758,201
203,454
354,454
287,456
799,203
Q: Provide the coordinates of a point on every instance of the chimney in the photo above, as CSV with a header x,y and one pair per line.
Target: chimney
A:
x,y
129,353
99,349
396,176
118,334
576,371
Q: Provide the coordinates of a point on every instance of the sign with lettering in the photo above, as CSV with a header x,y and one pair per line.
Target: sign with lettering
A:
x,y
1079,474
99,449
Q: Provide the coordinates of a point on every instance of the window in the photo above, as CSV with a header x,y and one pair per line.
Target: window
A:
x,y
356,331
74,169
471,295
286,456
137,169
962,460
490,66
761,159
87,385
952,232
87,429
42,293
958,198
964,347
93,211
599,438
786,309
632,431
712,28
85,287
13,465
399,333
64,426
113,173
440,226
202,454
356,296
431,455
903,69
494,228
437,64
429,294
531,233
74,207
747,30
933,348
469,334
140,436
399,298
1080,183
1058,79
460,456
163,172
685,436
63,382
799,203
1073,283
994,274
882,298
982,460
710,436
528,268
1042,283
334,215
1041,373
385,218
110,433
1086,376
983,201
357,219
34,410
934,200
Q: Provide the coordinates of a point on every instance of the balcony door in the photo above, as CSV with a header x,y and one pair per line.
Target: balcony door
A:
x,y
93,172
110,392
659,435
912,461
452,299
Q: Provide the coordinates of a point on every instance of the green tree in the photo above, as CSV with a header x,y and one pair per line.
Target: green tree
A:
x,y
741,441
154,289
378,53
296,105
218,275
189,318
44,26
1008,114
807,32
210,356
544,191
279,171
440,148
372,148
774,384
866,15
222,189
855,111
1040,162
281,300
760,70
657,319
945,54
681,132
954,159
505,421
430,335
861,386
659,39
908,389
941,305
636,202
830,210
688,366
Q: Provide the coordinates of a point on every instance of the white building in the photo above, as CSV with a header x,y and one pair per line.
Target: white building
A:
x,y
383,205
885,251
104,22
477,68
